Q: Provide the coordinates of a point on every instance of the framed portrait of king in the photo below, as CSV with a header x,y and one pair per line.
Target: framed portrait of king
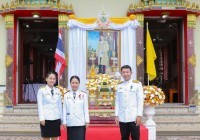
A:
x,y
103,52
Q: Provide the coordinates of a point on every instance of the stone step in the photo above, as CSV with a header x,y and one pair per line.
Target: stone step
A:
x,y
21,118
168,117
34,127
19,125
19,122
166,108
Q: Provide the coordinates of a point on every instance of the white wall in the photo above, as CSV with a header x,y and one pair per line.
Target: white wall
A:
x,y
197,49
5,1
3,39
197,52
2,51
91,8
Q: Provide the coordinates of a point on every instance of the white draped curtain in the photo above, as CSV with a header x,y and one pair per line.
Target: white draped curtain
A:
x,y
77,47
77,55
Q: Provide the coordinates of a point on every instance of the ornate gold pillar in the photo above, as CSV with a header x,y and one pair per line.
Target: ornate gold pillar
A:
x,y
62,24
62,20
140,48
10,58
190,56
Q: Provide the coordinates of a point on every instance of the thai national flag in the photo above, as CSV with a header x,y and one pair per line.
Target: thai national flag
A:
x,y
60,57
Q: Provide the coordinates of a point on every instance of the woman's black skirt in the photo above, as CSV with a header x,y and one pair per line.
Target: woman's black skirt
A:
x,y
51,128
76,133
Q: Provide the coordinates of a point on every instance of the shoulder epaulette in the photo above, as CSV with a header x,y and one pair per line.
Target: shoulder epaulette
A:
x,y
42,87
120,82
135,81
83,92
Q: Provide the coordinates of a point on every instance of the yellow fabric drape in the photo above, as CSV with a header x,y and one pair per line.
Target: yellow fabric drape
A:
x,y
86,20
150,56
93,20
119,20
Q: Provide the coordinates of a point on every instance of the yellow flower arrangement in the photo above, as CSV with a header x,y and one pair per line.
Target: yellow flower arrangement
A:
x,y
62,90
94,85
153,96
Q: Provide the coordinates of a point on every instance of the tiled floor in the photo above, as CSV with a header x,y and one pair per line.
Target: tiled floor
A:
x,y
158,138
178,137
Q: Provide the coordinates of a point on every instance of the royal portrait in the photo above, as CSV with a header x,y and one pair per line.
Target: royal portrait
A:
x,y
103,51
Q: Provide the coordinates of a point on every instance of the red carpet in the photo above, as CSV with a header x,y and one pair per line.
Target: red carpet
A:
x,y
105,133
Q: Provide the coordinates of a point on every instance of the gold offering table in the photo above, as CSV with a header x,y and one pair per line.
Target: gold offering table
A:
x,y
102,98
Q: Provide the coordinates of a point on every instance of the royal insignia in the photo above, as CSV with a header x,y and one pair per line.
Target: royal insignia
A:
x,y
103,20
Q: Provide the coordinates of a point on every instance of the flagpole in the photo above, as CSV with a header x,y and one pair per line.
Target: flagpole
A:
x,y
58,78
146,50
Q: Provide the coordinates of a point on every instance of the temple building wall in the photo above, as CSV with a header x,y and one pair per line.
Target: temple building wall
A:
x,y
91,8
197,52
3,39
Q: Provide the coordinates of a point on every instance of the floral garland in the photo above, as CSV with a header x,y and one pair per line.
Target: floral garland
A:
x,y
153,96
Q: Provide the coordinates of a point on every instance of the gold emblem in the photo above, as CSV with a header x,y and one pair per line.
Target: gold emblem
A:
x,y
139,60
192,60
8,60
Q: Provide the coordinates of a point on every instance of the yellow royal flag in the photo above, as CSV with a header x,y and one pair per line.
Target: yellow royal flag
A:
x,y
151,56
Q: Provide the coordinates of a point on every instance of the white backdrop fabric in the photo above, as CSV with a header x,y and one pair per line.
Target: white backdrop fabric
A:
x,y
77,47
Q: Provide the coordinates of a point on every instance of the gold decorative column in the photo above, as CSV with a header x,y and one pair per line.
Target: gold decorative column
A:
x,y
62,20
62,24
140,48
9,61
191,20
9,21
190,56
140,18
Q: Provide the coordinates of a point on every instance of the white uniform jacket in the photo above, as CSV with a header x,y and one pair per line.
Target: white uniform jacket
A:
x,y
75,111
129,101
49,107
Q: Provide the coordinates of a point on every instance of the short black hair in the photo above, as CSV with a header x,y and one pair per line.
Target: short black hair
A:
x,y
74,77
126,67
51,72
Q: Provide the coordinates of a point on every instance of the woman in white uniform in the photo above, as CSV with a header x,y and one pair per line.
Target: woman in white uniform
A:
x,y
75,111
49,108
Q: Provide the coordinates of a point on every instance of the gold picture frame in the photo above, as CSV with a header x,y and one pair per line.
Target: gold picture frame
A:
x,y
103,52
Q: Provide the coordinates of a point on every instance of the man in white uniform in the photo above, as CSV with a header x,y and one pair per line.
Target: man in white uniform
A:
x,y
129,105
